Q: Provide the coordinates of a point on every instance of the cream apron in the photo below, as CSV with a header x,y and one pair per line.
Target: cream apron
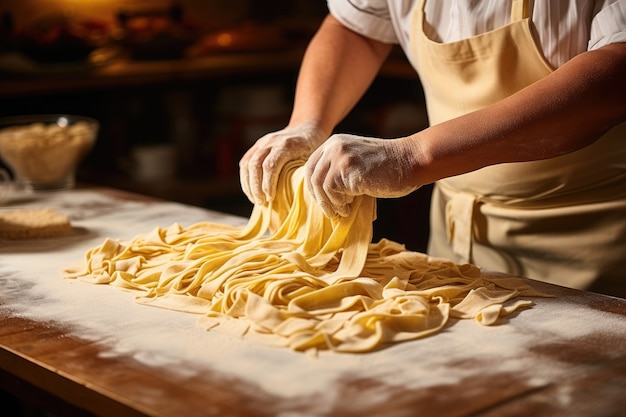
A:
x,y
561,220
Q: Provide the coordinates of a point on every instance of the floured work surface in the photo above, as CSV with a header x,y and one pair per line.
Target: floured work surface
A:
x,y
97,349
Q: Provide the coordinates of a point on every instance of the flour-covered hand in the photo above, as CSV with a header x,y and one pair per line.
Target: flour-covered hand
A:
x,y
347,166
260,167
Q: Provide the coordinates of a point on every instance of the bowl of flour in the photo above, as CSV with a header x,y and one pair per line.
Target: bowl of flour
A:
x,y
43,151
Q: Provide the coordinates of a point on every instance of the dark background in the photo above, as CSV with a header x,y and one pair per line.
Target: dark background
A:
x,y
208,119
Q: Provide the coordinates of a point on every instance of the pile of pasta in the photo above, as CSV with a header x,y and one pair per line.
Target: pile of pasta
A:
x,y
294,278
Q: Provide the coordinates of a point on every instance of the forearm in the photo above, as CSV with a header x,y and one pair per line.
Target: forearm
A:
x,y
338,67
563,112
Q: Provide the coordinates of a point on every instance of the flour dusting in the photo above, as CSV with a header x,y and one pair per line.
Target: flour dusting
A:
x,y
32,287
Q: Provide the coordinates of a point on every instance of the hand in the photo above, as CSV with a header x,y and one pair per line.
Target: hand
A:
x,y
347,166
260,166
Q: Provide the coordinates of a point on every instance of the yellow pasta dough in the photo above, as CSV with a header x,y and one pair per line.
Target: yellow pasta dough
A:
x,y
294,278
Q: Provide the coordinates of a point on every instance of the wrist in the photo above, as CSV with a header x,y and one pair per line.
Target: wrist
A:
x,y
312,130
408,155
312,125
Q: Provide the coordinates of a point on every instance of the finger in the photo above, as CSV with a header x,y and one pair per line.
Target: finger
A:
x,y
326,183
316,181
327,209
244,173
336,193
272,166
255,176
309,168
244,180
255,185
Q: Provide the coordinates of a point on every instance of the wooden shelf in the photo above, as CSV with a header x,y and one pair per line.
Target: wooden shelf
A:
x,y
125,72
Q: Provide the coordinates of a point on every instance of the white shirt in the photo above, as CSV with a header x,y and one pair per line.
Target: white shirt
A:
x,y
565,28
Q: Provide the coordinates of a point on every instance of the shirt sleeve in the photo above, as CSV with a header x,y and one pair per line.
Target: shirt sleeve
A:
x,y
369,18
608,25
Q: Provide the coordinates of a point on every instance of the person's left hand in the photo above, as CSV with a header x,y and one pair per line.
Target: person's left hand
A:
x,y
347,166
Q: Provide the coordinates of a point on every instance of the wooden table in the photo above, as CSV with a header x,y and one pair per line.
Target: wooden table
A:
x,y
80,349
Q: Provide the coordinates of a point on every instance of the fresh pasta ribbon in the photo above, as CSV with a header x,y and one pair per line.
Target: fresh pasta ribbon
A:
x,y
294,278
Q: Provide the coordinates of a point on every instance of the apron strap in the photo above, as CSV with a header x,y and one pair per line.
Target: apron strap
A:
x,y
520,9
459,224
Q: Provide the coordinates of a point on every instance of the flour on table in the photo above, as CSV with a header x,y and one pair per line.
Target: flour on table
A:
x,y
169,341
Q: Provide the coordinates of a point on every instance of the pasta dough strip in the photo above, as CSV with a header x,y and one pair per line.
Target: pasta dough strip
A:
x,y
293,278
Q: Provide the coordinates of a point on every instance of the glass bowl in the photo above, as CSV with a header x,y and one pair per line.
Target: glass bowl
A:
x,y
43,151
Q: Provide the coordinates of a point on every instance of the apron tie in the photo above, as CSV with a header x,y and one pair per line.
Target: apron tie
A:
x,y
459,224
519,10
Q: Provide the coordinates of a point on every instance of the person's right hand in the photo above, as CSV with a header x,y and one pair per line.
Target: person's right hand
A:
x,y
260,167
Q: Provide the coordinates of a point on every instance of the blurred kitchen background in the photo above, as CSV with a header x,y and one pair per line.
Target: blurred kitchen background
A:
x,y
182,88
